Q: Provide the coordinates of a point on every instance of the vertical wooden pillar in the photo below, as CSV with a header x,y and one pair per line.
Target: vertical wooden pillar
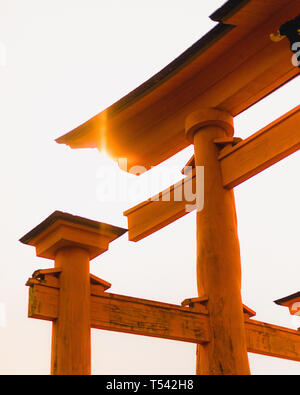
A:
x,y
72,242
218,253
71,335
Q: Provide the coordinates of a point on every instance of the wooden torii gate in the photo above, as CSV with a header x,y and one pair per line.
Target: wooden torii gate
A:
x,y
193,100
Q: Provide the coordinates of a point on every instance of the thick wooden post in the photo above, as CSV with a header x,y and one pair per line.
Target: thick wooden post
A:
x,y
71,335
72,242
218,253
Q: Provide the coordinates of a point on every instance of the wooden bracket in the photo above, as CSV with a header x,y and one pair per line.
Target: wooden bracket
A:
x,y
224,142
98,286
47,277
42,273
50,278
276,37
198,304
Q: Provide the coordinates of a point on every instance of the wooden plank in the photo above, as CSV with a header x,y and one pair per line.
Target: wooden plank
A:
x,y
161,210
155,319
129,315
262,150
272,340
43,302
238,163
142,317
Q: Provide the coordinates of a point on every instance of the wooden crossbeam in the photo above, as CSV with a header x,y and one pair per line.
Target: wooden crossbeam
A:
x,y
157,212
144,317
272,340
238,163
129,315
155,319
261,150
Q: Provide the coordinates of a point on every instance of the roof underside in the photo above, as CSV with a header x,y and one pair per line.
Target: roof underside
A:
x,y
232,67
283,301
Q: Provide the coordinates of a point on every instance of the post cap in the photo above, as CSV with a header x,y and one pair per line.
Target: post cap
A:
x,y
292,302
61,230
205,117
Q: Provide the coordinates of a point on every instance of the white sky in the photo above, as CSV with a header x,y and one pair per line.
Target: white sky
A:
x,y
62,62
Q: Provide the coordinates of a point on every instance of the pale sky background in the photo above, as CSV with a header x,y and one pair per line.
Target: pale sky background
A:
x,y
61,62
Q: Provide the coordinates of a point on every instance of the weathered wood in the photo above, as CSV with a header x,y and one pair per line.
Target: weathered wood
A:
x,y
129,315
238,163
143,317
43,301
63,294
71,332
50,278
272,340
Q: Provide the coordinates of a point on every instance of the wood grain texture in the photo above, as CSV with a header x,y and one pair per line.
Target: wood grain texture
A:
x,y
129,315
43,302
272,340
142,317
238,164
218,253
71,332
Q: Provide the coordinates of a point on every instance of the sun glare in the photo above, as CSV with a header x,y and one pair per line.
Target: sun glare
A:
x,y
105,159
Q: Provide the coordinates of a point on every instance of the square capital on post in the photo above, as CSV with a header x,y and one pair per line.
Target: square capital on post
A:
x,y
292,302
61,230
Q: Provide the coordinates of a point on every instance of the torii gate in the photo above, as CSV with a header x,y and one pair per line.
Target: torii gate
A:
x,y
193,100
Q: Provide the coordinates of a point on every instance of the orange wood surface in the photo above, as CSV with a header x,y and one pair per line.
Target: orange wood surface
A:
x,y
71,332
261,150
194,102
126,314
272,340
239,163
148,318
218,252
292,302
150,216
61,230
72,242
231,73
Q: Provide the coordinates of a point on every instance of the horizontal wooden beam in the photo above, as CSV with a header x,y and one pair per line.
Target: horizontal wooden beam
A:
x,y
162,320
261,150
272,340
161,210
143,317
129,315
239,162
